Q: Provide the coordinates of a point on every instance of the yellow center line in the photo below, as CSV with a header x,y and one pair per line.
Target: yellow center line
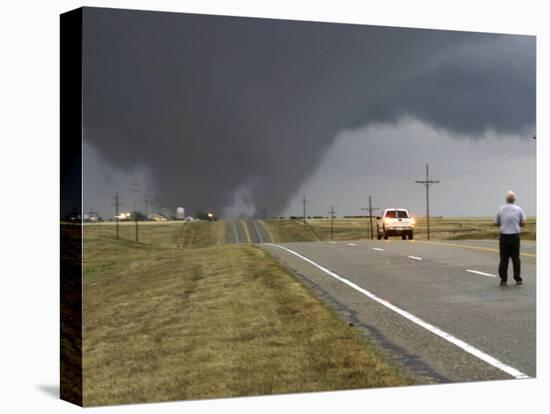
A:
x,y
246,231
267,231
467,246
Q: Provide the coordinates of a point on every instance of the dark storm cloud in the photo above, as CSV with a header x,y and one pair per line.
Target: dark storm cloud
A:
x,y
210,103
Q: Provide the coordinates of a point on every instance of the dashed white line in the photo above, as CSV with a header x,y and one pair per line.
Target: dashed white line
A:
x,y
352,244
378,249
477,272
414,257
431,328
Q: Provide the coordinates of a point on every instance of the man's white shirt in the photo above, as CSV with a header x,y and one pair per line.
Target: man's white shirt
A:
x,y
509,217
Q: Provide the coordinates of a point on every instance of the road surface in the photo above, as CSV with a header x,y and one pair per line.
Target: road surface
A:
x,y
247,231
435,308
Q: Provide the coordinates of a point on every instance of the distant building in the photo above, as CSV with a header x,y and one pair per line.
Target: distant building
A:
x,y
157,217
125,215
180,213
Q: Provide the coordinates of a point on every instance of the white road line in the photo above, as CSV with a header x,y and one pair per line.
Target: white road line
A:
x,y
266,231
378,249
431,328
414,257
352,244
260,238
477,272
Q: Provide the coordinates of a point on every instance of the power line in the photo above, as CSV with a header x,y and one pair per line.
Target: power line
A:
x,y
370,209
332,212
427,182
117,204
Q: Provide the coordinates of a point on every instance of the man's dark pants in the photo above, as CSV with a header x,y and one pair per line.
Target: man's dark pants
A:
x,y
509,249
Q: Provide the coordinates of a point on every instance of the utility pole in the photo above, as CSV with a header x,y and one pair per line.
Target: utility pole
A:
x,y
116,204
370,210
149,201
134,187
427,182
304,201
332,212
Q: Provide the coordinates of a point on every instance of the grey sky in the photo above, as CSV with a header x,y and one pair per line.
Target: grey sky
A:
x,y
384,160
234,114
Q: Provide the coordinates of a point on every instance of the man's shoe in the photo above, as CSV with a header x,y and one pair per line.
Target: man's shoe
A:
x,y
519,282
503,283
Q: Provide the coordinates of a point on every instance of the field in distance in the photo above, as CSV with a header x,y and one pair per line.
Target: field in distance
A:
x,y
167,319
203,233
442,228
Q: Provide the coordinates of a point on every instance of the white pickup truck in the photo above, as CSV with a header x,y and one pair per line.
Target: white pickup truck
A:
x,y
395,222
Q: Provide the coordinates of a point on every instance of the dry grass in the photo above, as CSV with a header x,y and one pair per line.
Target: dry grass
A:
x,y
164,234
447,228
343,229
290,230
165,323
455,228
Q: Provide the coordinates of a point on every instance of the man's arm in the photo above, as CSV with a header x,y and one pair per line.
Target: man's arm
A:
x,y
496,221
522,219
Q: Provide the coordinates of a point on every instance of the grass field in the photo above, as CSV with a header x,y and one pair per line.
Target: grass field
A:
x,y
290,230
167,319
183,315
446,228
162,234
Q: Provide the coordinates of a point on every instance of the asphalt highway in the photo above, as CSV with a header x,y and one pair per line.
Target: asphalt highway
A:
x,y
246,231
435,308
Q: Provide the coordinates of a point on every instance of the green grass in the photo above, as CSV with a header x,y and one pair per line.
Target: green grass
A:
x,y
442,228
162,322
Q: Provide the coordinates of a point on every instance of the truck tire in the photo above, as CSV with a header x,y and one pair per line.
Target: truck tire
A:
x,y
410,235
385,236
403,236
378,236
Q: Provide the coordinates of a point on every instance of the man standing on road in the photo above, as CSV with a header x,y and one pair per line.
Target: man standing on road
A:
x,y
510,217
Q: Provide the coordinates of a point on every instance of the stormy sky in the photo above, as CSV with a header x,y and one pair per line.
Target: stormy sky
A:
x,y
237,115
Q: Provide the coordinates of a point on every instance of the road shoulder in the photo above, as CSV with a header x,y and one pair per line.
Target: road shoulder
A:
x,y
415,351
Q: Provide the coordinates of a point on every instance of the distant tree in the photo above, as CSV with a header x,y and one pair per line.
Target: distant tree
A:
x,y
203,215
140,216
